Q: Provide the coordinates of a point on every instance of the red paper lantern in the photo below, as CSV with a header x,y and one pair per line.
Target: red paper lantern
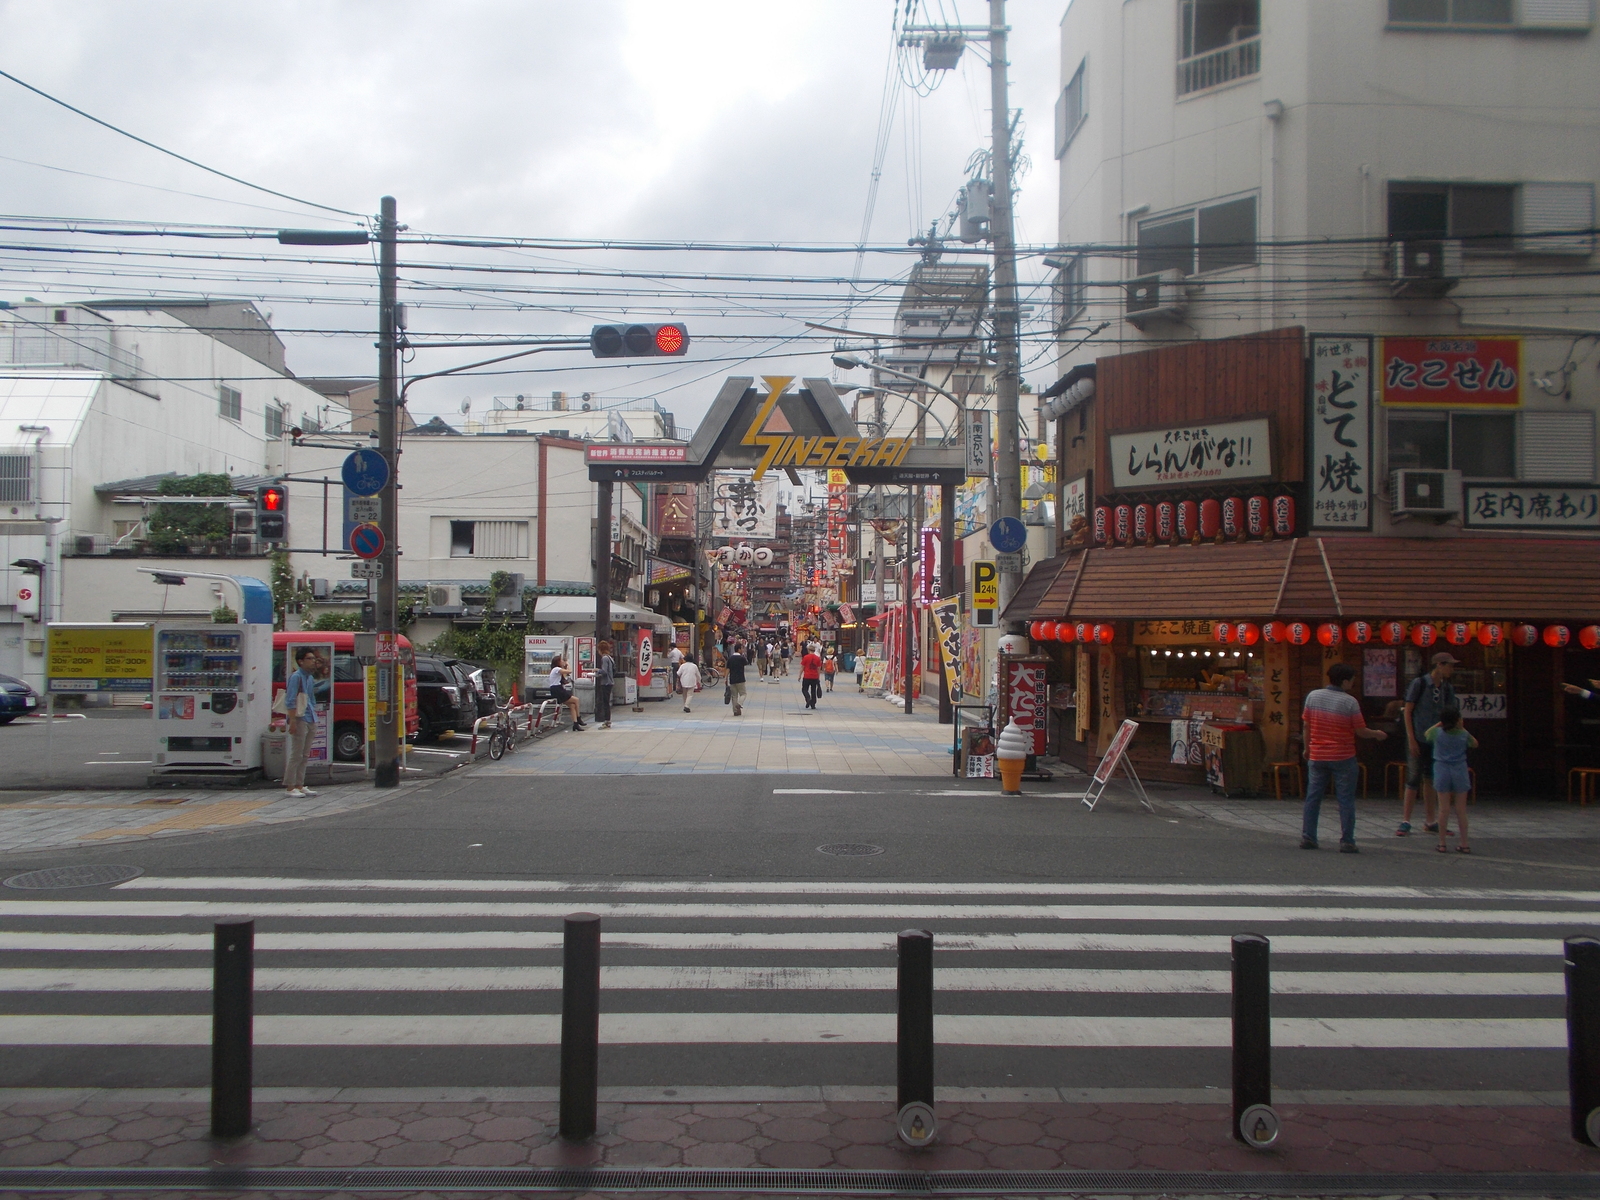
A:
x,y
1232,517
1102,523
1275,631
1557,635
1490,634
1083,632
1188,520
1457,633
1589,637
1144,516
1394,632
1210,518
1104,633
1166,515
1424,634
1328,633
1358,633
1525,635
1034,631
1122,522
1223,632
1255,516
1246,634
1064,631
1283,516
1299,633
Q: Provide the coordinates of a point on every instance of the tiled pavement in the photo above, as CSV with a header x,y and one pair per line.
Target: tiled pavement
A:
x,y
87,1129
1488,820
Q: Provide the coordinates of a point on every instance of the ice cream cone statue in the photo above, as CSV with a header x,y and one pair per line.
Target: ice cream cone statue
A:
x,y
1011,751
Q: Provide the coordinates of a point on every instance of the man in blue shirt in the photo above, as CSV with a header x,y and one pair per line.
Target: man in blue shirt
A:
x,y
300,699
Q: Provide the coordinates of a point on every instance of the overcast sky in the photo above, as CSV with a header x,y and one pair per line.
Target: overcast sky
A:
x,y
746,121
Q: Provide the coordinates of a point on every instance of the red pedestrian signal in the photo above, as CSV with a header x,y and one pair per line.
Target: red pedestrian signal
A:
x,y
667,340
272,513
271,500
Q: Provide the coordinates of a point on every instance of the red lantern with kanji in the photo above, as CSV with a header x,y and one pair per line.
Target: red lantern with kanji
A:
x,y
1457,633
1082,632
1557,635
1299,633
1063,631
1188,520
1246,634
1102,525
1255,515
1328,633
1122,522
1525,635
1394,632
1358,633
1104,633
1589,637
1210,518
1144,516
1283,516
1275,632
1035,631
1232,517
1424,634
1490,634
1223,632
1166,515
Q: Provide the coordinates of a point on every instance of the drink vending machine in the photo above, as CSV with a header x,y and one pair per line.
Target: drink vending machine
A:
x,y
213,696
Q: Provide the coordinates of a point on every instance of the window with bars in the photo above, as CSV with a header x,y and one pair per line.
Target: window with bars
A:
x,y
230,402
16,478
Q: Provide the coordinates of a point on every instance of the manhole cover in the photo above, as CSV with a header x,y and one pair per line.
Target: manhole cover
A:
x,y
851,849
75,877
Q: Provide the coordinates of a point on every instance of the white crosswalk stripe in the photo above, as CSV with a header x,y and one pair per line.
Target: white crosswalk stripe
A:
x,y
1025,974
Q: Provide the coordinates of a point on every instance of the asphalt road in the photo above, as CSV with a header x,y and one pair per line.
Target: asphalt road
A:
x,y
1078,949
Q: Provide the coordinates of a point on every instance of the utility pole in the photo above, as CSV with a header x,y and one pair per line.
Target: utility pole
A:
x,y
602,571
391,677
1008,355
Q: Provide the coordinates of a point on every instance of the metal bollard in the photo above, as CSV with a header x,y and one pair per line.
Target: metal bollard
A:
x,y
914,1039
1583,1036
580,1025
1254,1121
232,1025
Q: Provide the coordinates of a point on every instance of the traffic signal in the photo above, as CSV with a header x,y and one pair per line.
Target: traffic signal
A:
x,y
669,340
272,513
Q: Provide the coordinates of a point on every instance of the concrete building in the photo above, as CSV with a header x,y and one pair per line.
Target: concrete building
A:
x,y
582,417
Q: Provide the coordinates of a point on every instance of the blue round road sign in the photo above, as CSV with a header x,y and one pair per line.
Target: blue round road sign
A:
x,y
365,472
1008,535
366,540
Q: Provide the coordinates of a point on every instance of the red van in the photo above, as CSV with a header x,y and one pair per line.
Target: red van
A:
x,y
349,686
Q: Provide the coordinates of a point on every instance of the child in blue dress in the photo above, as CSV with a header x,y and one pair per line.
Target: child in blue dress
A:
x,y
1450,744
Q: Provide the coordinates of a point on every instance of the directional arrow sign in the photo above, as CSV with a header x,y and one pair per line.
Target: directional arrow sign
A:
x,y
366,540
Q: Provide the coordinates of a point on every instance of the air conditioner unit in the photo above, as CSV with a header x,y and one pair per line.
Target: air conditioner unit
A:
x,y
1424,267
244,543
86,544
244,520
1427,493
510,600
1162,296
444,599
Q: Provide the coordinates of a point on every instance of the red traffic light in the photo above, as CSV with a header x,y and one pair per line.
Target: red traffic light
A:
x,y
639,341
271,499
669,339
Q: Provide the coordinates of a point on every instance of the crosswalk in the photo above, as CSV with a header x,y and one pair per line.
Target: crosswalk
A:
x,y
393,982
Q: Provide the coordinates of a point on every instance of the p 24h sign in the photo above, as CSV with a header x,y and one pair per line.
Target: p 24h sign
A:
x,y
985,594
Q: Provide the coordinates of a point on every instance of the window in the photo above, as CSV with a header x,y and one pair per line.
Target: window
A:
x,y
1556,446
1547,210
1072,291
16,478
1482,215
274,420
1220,42
488,539
1450,12
1479,445
462,538
1227,238
310,424
230,402
1070,110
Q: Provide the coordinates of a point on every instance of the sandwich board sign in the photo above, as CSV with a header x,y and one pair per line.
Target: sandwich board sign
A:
x,y
1116,753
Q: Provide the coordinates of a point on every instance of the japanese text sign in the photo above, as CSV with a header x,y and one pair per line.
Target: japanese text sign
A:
x,y
93,658
1452,372
1513,506
744,508
1341,433
1209,453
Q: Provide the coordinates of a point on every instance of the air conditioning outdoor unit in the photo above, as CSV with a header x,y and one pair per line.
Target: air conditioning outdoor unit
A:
x,y
1424,268
1158,297
244,520
86,544
444,599
244,543
1427,493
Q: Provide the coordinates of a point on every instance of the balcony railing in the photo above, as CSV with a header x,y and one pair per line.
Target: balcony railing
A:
x,y
1216,67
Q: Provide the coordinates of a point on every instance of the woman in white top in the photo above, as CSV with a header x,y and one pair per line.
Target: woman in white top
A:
x,y
688,680
561,691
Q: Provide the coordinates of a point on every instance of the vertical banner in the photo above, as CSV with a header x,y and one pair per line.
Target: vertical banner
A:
x,y
646,658
370,703
1025,699
947,616
979,457
928,566
1341,433
1275,701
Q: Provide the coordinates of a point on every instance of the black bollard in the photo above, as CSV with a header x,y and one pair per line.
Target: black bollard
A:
x,y
580,1025
1583,1037
232,1022
914,1038
1254,1121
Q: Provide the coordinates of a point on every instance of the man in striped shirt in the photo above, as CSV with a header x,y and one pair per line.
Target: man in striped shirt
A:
x,y
1332,721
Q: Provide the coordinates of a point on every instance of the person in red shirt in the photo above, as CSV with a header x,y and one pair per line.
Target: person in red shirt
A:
x,y
811,676
1333,721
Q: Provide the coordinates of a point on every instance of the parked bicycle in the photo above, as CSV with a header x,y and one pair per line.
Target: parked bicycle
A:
x,y
512,724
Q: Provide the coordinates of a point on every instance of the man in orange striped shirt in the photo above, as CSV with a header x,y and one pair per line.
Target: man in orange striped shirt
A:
x,y
1332,721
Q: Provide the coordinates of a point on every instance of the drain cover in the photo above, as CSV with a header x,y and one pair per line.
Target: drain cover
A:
x,y
75,877
851,849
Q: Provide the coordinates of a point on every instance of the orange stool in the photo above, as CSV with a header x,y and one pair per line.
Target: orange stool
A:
x,y
1398,770
1585,778
1277,769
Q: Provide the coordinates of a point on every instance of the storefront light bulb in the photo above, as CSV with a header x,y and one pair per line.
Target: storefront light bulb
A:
x,y
1168,653
1208,654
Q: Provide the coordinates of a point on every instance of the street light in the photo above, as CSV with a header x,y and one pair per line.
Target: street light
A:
x,y
849,362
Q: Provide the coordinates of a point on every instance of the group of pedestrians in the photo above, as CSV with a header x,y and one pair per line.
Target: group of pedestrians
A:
x,y
1436,755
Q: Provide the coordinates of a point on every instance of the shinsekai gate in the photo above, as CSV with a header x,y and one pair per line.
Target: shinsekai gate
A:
x,y
747,429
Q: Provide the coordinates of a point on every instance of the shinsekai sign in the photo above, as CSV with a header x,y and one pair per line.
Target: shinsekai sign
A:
x,y
786,430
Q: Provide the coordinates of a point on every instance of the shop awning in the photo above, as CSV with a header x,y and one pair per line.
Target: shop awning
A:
x,y
578,610
1033,588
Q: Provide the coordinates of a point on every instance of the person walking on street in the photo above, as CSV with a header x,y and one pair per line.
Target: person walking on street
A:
x,y
1451,778
688,679
1333,721
674,661
783,657
736,665
1426,698
605,677
830,665
300,700
811,677
562,691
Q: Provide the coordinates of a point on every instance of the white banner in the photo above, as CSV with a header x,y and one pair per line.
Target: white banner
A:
x,y
1218,452
743,508
980,461
1531,506
1341,433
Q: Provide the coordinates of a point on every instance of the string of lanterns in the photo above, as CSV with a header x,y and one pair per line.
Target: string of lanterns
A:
x,y
1331,633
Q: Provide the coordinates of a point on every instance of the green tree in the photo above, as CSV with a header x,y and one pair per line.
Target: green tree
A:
x,y
173,526
331,622
499,645
287,592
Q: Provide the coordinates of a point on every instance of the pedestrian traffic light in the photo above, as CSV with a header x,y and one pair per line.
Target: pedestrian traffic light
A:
x,y
668,340
272,512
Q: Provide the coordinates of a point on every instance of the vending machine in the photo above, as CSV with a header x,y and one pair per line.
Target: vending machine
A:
x,y
212,697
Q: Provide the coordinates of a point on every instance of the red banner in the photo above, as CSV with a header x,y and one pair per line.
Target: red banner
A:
x,y
1025,697
1452,372
647,657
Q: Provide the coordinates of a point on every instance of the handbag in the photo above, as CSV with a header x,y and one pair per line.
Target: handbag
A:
x,y
727,693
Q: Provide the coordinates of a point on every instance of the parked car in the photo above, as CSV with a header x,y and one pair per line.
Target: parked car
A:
x,y
17,699
483,683
446,699
349,686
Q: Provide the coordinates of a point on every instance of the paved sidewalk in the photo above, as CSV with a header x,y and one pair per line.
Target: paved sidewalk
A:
x,y
91,1129
1378,817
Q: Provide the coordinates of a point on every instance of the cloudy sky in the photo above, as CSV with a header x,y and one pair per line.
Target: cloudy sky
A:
x,y
737,122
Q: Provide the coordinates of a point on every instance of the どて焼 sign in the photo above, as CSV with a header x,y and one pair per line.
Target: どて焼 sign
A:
x,y
1341,433
1222,451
